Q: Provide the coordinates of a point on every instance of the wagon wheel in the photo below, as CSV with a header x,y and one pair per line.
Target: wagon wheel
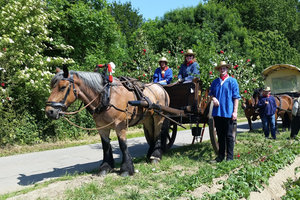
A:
x,y
168,134
212,130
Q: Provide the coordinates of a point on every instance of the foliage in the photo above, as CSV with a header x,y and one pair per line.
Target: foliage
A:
x,y
23,66
127,18
271,47
90,30
38,36
292,190
263,15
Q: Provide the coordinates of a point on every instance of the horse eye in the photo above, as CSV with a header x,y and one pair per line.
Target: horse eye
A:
x,y
62,88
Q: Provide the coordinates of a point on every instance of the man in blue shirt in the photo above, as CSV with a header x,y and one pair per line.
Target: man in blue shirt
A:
x,y
189,67
267,107
224,92
163,74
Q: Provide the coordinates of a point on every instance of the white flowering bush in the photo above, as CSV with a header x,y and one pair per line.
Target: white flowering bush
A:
x,y
25,69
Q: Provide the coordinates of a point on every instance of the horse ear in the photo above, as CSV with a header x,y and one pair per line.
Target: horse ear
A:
x,y
66,71
57,69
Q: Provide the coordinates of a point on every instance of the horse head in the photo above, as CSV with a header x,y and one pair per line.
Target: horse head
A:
x,y
257,94
63,93
247,103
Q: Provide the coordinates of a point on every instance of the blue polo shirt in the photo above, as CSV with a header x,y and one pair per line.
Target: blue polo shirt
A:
x,y
225,93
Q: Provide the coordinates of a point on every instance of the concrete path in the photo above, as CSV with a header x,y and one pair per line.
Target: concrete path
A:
x,y
20,171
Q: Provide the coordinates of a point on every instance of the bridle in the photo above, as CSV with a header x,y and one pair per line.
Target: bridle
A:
x,y
61,105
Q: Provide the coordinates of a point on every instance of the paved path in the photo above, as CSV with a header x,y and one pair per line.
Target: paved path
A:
x,y
20,171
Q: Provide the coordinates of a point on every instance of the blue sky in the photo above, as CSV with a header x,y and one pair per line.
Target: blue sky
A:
x,y
157,8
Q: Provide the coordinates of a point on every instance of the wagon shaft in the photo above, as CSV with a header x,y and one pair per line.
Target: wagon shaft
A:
x,y
157,107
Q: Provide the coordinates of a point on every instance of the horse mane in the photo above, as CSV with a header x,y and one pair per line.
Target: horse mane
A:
x,y
93,80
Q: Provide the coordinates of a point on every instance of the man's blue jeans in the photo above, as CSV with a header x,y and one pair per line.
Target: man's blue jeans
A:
x,y
268,122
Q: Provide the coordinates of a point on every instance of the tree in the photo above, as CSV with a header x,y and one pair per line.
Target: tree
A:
x,y
92,33
271,47
127,18
273,15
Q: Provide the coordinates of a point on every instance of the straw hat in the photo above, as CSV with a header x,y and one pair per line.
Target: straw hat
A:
x,y
189,52
163,59
223,64
267,89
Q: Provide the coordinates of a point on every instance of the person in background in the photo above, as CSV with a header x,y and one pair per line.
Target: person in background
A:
x,y
295,124
188,68
163,74
267,106
224,93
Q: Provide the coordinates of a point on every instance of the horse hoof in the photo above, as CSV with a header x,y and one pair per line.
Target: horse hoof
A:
x,y
154,160
103,173
125,174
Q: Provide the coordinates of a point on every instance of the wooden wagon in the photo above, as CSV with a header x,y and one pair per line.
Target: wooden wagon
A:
x,y
189,104
283,79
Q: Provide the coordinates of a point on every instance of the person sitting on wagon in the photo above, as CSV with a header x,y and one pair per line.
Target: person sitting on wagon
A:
x,y
163,74
188,68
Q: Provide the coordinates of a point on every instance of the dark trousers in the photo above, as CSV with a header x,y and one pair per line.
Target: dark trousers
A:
x,y
224,127
295,126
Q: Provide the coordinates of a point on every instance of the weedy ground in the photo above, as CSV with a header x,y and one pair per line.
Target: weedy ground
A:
x,y
181,172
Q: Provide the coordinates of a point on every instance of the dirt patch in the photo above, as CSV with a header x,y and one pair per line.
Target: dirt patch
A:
x,y
210,189
57,190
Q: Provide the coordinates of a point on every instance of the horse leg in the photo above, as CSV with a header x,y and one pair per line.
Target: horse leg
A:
x,y
286,122
157,151
148,131
250,124
127,167
108,161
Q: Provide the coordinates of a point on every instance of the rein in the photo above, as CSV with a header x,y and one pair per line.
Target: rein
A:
x,y
89,129
75,112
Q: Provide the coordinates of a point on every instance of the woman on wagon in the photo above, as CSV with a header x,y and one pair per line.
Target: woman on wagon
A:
x,y
163,74
189,67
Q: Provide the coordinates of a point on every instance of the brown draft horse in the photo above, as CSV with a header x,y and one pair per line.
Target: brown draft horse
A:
x,y
117,114
284,107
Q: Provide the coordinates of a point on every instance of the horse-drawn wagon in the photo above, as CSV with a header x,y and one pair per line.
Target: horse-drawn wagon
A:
x,y
120,103
189,104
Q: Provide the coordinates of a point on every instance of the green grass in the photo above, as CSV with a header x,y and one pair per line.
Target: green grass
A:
x,y
184,169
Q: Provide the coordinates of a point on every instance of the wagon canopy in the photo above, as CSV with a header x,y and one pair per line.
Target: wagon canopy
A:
x,y
282,78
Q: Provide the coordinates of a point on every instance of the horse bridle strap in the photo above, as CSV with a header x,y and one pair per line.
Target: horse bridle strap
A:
x,y
61,104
